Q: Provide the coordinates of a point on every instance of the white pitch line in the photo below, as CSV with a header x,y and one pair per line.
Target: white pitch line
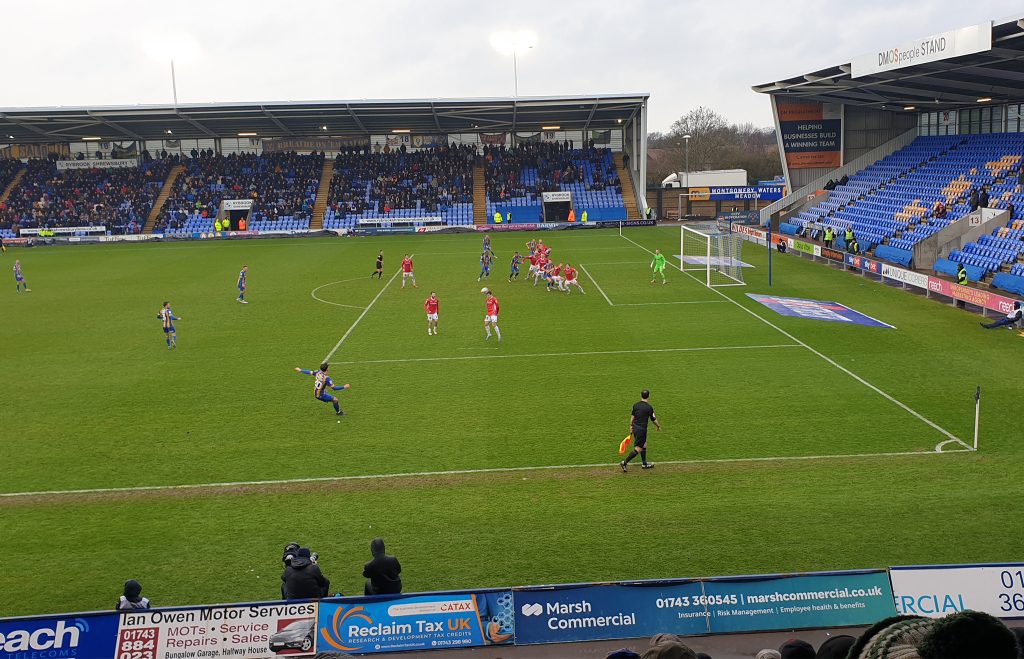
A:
x,y
647,304
456,472
831,361
600,290
312,293
361,316
563,354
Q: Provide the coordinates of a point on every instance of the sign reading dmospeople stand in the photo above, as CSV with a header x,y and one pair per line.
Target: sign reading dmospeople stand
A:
x,y
83,636
416,622
215,632
938,590
954,43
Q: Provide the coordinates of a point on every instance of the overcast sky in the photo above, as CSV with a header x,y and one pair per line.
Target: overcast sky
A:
x,y
683,53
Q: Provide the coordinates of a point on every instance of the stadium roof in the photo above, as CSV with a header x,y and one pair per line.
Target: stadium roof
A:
x,y
996,74
318,118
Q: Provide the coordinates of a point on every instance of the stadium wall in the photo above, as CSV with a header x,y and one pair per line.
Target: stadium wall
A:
x,y
527,615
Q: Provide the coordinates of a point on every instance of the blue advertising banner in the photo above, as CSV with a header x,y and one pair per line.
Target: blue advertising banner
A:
x,y
416,622
816,310
590,613
864,263
83,636
748,604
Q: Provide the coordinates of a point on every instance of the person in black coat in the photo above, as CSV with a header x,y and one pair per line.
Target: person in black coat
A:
x,y
302,578
983,198
382,572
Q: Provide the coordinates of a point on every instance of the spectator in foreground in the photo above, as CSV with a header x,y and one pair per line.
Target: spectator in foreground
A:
x,y
966,635
132,598
794,648
835,647
1009,320
382,572
669,650
302,578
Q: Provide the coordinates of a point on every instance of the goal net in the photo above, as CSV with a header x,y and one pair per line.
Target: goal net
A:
x,y
711,255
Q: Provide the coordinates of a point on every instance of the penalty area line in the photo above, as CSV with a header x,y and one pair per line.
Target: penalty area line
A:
x,y
458,472
562,354
600,290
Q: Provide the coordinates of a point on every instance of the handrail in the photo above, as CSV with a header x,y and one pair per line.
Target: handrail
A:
x,y
850,168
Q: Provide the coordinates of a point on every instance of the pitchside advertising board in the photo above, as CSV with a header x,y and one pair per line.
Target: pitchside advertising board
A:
x,y
938,590
611,611
418,622
239,631
80,636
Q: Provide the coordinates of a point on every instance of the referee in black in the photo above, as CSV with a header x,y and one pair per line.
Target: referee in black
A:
x,y
638,419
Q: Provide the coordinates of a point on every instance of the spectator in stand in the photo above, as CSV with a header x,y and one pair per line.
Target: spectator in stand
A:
x,y
302,578
132,598
382,572
844,180
831,185
1011,209
983,198
940,210
1009,320
974,199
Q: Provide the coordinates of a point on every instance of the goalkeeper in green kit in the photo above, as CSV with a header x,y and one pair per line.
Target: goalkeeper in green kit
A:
x,y
659,266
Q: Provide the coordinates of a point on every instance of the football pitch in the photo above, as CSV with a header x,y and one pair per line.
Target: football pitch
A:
x,y
789,444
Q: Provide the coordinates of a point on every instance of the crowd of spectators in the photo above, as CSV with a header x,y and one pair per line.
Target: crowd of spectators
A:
x,y
8,170
399,179
556,164
280,184
117,198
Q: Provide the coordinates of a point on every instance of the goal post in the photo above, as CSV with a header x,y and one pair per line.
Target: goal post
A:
x,y
711,256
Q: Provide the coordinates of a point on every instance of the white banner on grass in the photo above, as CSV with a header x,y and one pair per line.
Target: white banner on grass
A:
x,y
117,163
936,591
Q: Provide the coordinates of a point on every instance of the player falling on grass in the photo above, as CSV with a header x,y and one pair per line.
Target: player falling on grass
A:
x,y
570,279
322,383
491,317
19,277
517,261
486,260
659,266
241,284
407,272
167,318
641,415
379,271
431,306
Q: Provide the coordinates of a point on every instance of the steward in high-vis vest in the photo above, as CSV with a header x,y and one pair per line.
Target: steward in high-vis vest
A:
x,y
497,217
583,217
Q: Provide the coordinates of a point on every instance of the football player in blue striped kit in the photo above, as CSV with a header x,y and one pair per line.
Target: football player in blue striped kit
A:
x,y
322,383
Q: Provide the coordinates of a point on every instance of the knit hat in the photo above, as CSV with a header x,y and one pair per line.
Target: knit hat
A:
x,y
899,640
835,647
794,648
670,650
623,653
872,631
658,639
969,635
768,653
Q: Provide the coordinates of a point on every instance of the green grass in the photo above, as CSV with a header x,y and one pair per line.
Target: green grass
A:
x,y
94,400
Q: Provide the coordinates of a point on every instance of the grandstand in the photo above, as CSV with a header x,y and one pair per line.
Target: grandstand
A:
x,y
340,165
901,153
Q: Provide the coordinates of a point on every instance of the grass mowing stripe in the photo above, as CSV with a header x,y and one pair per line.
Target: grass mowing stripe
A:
x,y
564,354
362,315
828,359
454,472
601,290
